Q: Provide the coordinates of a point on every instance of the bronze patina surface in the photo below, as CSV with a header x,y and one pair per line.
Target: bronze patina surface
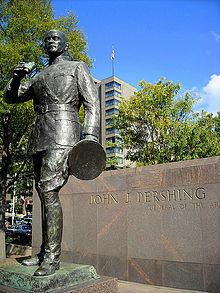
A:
x,y
58,92
87,159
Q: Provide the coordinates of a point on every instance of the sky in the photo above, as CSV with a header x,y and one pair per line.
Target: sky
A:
x,y
175,39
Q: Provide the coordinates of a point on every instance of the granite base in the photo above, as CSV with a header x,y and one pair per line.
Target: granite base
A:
x,y
70,278
101,285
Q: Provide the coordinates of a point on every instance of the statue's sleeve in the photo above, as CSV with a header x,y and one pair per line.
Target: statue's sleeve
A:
x,y
17,93
89,98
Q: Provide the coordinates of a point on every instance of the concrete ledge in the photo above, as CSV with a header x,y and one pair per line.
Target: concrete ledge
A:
x,y
15,249
131,287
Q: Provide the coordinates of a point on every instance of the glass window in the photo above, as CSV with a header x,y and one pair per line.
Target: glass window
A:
x,y
113,84
118,139
110,150
114,150
111,112
120,160
108,121
112,102
113,139
110,139
112,93
111,130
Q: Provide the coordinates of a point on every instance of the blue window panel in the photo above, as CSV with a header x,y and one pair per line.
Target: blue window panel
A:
x,y
112,93
111,130
118,139
113,84
119,150
108,121
111,112
110,139
109,150
114,150
120,160
113,139
112,102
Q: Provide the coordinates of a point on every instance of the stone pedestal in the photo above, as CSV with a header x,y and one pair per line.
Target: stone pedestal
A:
x,y
2,246
155,225
71,278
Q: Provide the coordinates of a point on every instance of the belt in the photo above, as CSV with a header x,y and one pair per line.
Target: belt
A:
x,y
42,109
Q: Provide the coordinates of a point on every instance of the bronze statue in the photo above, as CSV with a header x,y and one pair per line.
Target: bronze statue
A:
x,y
58,92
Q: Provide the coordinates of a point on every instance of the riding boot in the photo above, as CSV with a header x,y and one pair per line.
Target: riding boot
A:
x,y
53,234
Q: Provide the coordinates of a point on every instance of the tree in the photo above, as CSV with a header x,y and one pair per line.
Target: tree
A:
x,y
217,123
157,125
113,162
23,25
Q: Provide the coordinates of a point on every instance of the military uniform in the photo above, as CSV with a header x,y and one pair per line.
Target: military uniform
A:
x,y
58,92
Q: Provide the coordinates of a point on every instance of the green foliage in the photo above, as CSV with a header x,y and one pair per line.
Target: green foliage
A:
x,y
158,125
23,25
81,116
217,123
76,38
113,162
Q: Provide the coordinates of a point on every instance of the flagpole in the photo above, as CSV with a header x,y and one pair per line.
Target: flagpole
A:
x,y
112,58
113,69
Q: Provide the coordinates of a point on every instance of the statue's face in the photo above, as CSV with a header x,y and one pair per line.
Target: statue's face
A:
x,y
55,43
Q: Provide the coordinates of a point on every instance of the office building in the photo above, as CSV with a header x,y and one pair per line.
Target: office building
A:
x,y
111,90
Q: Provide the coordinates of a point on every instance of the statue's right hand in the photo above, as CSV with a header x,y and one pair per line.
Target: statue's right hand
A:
x,y
19,71
23,68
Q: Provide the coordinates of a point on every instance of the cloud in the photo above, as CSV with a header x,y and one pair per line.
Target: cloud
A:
x,y
210,95
216,36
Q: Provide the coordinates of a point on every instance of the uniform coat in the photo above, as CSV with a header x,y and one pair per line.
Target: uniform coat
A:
x,y
62,83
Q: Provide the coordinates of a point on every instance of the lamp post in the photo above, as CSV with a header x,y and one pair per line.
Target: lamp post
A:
x,y
13,202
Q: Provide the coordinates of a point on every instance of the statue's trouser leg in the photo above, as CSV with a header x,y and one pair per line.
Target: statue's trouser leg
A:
x,y
54,173
53,226
51,173
37,260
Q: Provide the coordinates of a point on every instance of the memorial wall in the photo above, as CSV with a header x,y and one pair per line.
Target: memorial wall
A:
x,y
157,225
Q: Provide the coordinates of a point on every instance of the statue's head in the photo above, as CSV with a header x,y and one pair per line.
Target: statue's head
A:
x,y
55,43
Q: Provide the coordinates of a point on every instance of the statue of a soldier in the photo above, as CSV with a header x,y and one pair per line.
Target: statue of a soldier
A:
x,y
58,92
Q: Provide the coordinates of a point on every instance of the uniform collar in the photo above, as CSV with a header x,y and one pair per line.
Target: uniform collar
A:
x,y
59,59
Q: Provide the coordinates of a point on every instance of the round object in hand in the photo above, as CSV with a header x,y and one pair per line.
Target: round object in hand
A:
x,y
87,159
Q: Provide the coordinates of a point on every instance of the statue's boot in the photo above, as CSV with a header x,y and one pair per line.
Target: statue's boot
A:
x,y
53,234
38,259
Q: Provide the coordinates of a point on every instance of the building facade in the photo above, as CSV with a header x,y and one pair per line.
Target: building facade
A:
x,y
111,90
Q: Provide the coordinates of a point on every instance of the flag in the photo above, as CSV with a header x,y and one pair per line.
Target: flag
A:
x,y
113,54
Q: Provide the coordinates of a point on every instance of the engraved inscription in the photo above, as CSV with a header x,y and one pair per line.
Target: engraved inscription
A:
x,y
159,200
171,195
104,199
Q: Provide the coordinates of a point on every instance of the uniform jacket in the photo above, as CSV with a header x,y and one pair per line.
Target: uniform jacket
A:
x,y
64,82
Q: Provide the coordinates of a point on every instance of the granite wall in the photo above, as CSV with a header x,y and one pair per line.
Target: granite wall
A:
x,y
157,225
